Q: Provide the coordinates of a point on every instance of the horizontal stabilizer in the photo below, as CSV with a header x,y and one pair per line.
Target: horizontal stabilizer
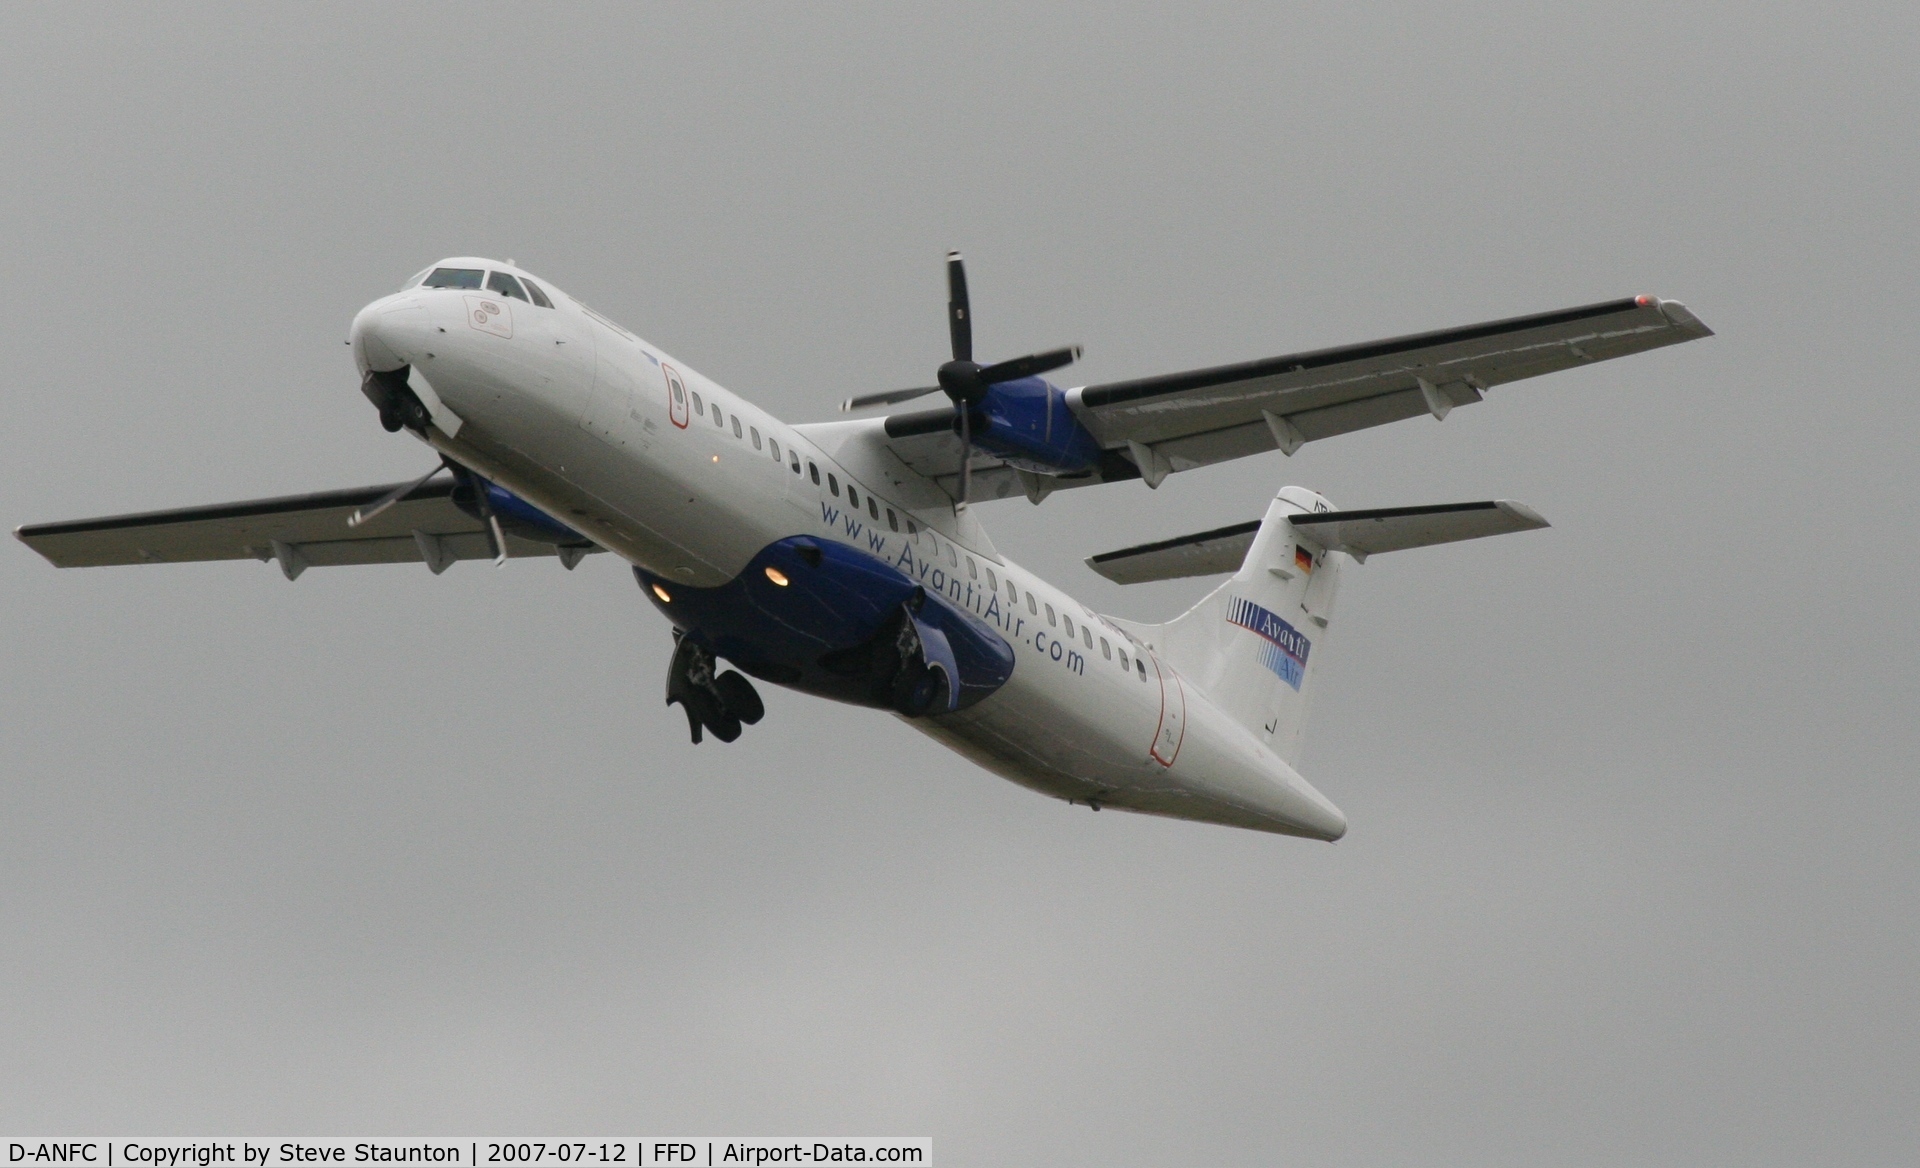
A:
x,y
1391,529
300,531
1358,533
1207,553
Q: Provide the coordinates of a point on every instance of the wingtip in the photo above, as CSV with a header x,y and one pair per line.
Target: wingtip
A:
x,y
1523,512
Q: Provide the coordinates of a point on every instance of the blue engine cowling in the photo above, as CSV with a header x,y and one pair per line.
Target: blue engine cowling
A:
x,y
1027,424
517,516
821,617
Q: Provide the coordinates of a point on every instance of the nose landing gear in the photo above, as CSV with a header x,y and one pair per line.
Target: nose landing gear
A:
x,y
720,703
399,406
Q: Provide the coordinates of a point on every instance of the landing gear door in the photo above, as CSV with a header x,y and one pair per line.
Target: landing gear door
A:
x,y
1173,715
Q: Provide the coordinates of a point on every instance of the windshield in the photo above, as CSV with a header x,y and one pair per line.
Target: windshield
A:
x,y
454,278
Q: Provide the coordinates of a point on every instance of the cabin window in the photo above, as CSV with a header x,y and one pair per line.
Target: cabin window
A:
x,y
773,444
893,521
953,561
1031,611
679,394
833,484
873,509
755,431
1140,664
1050,617
699,407
736,425
1069,621
1086,634
1106,650
973,573
795,456
506,285
718,418
993,583
533,290
911,529
813,469
455,278
853,497
1123,661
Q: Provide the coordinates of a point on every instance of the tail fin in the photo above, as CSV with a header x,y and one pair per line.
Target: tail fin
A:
x,y
1254,643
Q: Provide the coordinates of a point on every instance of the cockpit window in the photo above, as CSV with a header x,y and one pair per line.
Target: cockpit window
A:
x,y
506,285
415,278
454,278
534,291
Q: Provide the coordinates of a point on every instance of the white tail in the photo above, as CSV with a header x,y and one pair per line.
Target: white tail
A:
x,y
1255,643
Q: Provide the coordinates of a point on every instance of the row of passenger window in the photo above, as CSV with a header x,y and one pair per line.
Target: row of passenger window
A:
x,y
505,283
1055,620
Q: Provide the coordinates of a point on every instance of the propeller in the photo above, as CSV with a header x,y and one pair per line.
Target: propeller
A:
x,y
496,539
394,496
964,381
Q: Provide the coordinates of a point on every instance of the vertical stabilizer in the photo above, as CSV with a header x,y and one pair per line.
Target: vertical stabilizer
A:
x,y
1255,643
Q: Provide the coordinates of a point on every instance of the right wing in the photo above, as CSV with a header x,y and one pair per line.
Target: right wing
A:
x,y
1153,426
299,531
1183,420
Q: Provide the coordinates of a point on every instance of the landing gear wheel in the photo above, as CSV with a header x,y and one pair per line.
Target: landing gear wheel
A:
x,y
390,421
739,697
719,704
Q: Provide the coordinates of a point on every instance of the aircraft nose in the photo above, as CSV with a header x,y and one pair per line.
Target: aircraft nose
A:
x,y
389,333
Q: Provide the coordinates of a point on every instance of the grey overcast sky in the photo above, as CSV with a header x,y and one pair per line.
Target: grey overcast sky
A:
x,y
1632,873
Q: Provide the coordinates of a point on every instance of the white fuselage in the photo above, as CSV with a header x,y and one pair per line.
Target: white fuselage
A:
x,y
579,417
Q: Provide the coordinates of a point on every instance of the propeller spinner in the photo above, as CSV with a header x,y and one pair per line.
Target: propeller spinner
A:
x,y
964,381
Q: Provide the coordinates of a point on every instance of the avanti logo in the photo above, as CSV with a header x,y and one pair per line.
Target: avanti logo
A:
x,y
1286,649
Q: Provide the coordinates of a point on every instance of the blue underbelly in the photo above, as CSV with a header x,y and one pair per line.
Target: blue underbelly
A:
x,y
823,630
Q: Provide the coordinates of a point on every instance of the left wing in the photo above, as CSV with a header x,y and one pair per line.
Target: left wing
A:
x,y
298,531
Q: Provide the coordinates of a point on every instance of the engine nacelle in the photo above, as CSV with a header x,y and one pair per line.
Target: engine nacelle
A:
x,y
1027,424
517,516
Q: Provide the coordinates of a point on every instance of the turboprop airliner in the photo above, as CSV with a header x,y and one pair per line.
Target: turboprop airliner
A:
x,y
844,559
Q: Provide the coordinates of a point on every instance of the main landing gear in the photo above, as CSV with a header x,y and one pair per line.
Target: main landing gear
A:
x,y
721,703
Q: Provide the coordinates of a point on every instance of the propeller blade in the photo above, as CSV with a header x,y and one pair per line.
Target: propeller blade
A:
x,y
959,313
391,497
1029,366
496,539
966,455
891,396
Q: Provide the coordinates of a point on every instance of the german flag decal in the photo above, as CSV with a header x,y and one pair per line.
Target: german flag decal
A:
x,y
1303,560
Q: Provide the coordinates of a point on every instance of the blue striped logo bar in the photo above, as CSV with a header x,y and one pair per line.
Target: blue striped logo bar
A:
x,y
1285,652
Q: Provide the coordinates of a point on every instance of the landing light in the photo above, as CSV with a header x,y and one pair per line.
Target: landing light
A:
x,y
662,594
716,458
777,576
